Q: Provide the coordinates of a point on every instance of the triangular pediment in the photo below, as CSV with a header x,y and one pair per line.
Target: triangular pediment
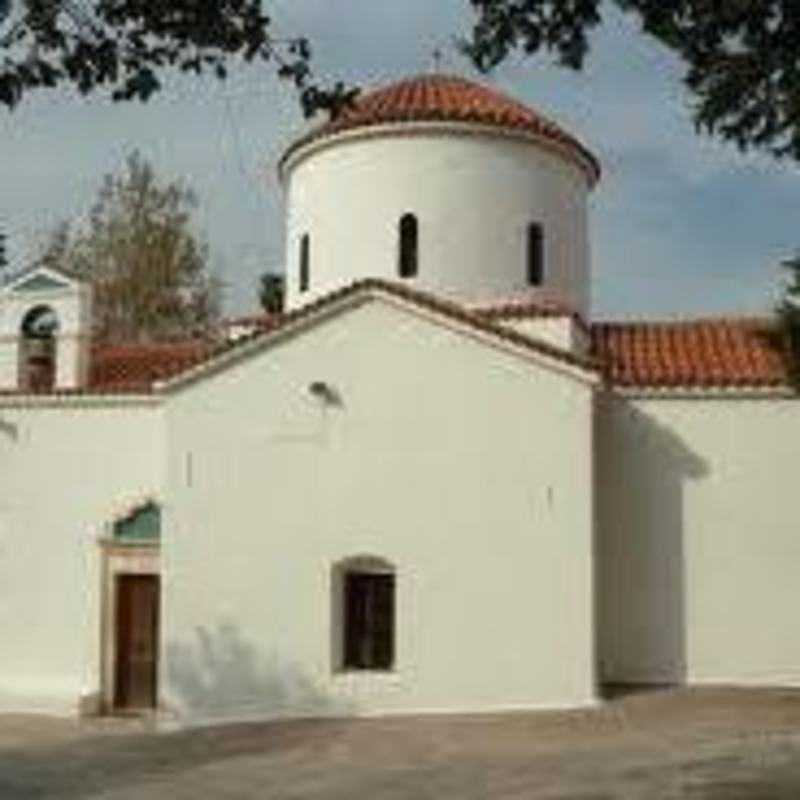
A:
x,y
402,301
41,279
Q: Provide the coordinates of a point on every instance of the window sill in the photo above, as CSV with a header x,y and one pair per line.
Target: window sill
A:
x,y
366,671
367,680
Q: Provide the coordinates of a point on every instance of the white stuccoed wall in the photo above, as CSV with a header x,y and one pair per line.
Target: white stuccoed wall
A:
x,y
474,195
565,332
63,468
460,463
698,541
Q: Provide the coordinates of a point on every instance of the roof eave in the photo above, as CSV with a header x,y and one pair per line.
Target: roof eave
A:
x,y
312,143
709,392
583,369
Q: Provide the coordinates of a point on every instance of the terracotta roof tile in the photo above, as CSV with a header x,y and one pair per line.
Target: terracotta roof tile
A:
x,y
697,354
517,307
425,300
135,367
447,98
705,354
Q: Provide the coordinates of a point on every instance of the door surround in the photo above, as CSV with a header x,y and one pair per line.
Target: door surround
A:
x,y
121,559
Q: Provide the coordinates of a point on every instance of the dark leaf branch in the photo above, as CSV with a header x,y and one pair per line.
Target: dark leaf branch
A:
x,y
789,315
272,292
126,46
559,26
742,56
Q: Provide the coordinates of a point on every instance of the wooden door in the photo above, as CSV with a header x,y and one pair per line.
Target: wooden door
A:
x,y
137,641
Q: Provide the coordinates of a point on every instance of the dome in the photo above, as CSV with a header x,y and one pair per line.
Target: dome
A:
x,y
442,184
449,99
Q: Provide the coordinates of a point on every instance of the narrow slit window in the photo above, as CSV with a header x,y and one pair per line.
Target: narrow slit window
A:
x,y
305,259
535,254
408,264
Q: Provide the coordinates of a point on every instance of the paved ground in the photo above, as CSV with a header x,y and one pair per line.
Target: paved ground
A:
x,y
670,745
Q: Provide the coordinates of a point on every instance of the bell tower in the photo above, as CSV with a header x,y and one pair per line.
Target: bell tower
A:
x,y
45,332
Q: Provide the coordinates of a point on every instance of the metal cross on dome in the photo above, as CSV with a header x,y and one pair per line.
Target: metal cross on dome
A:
x,y
442,58
438,58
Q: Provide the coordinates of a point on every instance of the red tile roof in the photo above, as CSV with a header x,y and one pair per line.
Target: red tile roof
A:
x,y
726,353
135,367
438,305
448,98
524,306
693,354
700,354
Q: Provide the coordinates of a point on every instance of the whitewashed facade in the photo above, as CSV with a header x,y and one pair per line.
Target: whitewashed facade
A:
x,y
538,525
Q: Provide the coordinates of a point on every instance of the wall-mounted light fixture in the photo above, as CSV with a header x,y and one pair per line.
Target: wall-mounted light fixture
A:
x,y
325,393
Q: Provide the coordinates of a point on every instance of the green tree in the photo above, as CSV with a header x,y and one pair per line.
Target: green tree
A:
x,y
3,253
149,270
789,312
127,46
272,292
742,57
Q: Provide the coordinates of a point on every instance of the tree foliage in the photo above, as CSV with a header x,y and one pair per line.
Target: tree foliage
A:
x,y
3,253
742,56
128,45
149,271
789,313
272,292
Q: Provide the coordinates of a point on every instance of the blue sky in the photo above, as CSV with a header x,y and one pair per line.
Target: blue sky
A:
x,y
681,224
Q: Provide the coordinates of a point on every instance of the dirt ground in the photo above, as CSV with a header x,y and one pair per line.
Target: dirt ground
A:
x,y
719,744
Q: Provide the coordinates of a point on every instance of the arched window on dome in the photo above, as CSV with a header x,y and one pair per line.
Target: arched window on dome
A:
x,y
37,350
535,254
305,262
408,251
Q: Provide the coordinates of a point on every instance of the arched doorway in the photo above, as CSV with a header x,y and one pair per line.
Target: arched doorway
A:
x,y
37,350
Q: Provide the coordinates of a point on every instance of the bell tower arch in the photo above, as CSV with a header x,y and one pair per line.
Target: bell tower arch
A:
x,y
45,332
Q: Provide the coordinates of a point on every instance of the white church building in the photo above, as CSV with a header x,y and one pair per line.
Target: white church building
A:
x,y
433,485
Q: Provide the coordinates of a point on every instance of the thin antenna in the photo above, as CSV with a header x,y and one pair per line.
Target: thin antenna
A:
x,y
438,58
